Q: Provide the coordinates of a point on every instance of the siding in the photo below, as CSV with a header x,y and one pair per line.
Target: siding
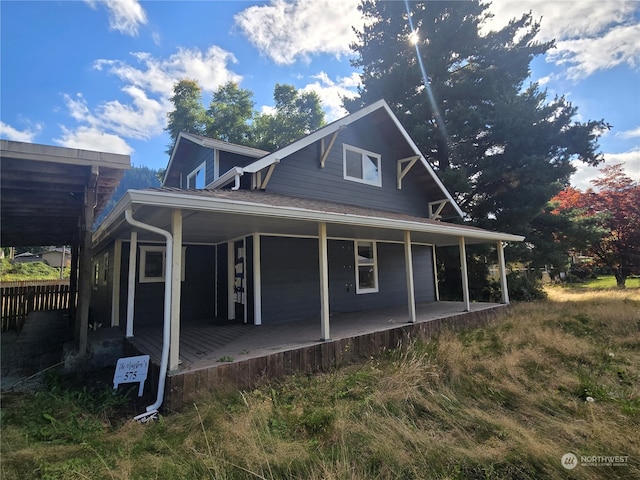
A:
x,y
197,295
202,155
100,308
300,175
291,286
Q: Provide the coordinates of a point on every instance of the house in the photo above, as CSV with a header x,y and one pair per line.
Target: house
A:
x,y
57,256
345,219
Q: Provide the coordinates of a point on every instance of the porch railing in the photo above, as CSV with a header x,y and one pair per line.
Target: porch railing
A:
x,y
17,299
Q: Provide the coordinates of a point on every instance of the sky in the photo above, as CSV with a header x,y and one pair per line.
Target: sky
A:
x,y
98,75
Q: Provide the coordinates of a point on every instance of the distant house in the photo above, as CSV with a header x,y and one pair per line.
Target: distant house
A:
x,y
346,219
56,257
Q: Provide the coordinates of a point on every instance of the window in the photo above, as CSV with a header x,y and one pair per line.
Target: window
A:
x,y
361,166
96,275
366,267
153,264
105,268
196,178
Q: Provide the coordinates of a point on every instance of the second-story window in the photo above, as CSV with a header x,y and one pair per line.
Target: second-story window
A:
x,y
196,179
361,166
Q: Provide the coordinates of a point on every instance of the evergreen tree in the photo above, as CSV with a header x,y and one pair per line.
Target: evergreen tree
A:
x,y
501,147
230,113
188,114
296,115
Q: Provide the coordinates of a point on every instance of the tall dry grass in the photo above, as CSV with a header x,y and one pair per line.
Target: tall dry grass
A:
x,y
504,401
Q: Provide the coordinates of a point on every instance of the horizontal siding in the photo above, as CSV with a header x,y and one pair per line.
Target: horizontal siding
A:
x,y
197,295
290,278
300,175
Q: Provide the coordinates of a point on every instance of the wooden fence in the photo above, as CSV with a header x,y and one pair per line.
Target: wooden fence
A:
x,y
17,299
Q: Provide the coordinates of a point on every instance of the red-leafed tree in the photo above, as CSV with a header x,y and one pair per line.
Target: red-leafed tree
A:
x,y
613,210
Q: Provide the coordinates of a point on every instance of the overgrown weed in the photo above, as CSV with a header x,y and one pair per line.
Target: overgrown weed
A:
x,y
503,401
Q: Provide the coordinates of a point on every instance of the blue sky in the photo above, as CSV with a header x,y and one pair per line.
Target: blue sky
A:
x,y
97,75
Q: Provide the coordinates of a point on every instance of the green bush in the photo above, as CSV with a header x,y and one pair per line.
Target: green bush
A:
x,y
525,288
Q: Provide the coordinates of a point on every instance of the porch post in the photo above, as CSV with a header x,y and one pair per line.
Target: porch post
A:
x,y
176,281
503,274
85,286
131,286
408,261
231,300
435,273
257,282
115,292
465,275
324,281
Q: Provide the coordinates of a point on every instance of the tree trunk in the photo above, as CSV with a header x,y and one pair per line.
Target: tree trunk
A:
x,y
621,278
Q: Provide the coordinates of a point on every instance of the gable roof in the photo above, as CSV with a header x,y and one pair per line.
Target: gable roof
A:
x,y
335,126
186,140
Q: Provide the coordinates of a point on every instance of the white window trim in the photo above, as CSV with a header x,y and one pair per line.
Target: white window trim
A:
x,y
142,278
362,152
105,269
375,267
194,173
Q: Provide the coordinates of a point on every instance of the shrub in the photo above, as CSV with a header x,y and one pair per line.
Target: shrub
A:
x,y
525,287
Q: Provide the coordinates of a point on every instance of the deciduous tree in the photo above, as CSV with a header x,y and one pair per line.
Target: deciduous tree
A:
x,y
188,114
613,207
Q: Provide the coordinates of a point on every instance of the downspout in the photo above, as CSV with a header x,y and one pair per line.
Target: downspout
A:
x,y
236,185
152,410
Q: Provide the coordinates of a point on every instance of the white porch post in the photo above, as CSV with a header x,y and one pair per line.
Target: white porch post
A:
x,y
176,281
131,286
257,282
231,300
465,275
324,281
408,261
115,292
503,274
435,273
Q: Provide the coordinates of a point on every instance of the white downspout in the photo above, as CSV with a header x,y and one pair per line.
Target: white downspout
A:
x,y
152,410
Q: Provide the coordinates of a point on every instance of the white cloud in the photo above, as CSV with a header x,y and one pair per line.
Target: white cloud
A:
x,y
590,35
584,173
332,92
159,75
287,31
92,138
125,16
586,56
629,133
10,133
147,84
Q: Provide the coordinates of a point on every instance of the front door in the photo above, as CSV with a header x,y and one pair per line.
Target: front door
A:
x,y
240,280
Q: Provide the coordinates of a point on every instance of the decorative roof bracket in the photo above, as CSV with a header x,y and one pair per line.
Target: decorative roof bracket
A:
x,y
403,170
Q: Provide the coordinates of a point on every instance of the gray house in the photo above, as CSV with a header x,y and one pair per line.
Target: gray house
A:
x,y
345,219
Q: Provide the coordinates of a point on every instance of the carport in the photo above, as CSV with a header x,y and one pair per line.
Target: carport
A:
x,y
50,196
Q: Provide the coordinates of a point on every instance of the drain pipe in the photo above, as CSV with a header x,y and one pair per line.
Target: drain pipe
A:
x,y
152,410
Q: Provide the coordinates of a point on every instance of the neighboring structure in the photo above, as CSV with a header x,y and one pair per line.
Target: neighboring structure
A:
x,y
345,219
50,196
57,257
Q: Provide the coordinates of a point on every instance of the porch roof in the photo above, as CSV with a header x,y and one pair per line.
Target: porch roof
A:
x,y
214,216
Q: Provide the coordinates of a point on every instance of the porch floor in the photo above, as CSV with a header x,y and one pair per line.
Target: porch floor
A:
x,y
212,342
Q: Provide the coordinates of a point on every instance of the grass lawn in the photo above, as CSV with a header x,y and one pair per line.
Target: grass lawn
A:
x,y
505,401
606,281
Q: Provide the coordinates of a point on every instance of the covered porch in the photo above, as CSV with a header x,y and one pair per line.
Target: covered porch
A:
x,y
216,356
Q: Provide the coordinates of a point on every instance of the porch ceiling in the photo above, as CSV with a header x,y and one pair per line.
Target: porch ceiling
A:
x,y
211,217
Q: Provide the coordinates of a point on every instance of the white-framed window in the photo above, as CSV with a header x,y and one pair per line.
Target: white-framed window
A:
x,y
153,260
196,179
366,266
96,275
105,268
361,165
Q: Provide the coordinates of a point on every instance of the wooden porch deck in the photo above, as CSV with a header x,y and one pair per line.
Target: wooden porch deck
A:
x,y
219,352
